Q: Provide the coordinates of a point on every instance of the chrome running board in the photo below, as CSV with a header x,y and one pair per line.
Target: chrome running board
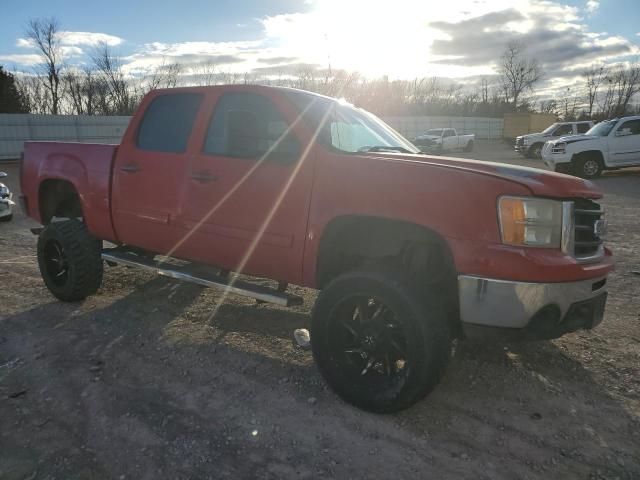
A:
x,y
188,273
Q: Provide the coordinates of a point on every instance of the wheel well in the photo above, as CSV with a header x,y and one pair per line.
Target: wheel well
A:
x,y
353,242
58,198
596,154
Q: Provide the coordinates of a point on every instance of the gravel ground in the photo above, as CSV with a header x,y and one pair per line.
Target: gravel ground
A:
x,y
139,382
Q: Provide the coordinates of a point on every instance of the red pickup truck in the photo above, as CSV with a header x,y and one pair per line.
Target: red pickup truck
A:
x,y
408,251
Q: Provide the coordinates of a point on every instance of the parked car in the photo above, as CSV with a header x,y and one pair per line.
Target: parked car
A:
x,y
439,140
408,251
6,204
610,145
531,145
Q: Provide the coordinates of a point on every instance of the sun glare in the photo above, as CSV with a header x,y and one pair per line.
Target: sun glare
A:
x,y
376,38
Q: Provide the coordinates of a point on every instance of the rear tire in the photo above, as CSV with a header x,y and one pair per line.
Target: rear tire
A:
x,y
587,167
379,345
70,260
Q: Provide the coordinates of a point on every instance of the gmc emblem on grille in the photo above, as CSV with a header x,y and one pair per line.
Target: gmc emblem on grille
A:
x,y
600,227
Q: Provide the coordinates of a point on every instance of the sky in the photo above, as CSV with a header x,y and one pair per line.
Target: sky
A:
x,y
462,40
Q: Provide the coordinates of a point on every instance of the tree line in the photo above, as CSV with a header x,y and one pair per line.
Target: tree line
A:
x,y
103,87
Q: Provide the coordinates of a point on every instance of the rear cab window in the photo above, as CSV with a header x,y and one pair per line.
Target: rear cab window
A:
x,y
167,123
583,127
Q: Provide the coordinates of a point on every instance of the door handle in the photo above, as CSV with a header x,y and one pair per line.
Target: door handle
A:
x,y
130,168
203,177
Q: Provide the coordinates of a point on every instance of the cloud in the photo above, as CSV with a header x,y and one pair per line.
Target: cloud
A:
x,y
89,38
592,6
22,59
75,39
287,69
191,55
277,60
552,34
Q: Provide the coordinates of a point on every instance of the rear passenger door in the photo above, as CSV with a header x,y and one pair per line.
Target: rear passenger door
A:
x,y
449,139
149,171
624,144
249,187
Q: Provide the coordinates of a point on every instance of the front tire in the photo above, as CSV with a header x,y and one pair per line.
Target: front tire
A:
x,y
70,260
377,344
535,151
588,167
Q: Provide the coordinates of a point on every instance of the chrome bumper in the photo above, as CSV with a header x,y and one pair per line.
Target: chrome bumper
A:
x,y
500,303
5,206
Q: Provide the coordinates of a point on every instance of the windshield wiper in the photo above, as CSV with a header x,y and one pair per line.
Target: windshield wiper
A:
x,y
384,148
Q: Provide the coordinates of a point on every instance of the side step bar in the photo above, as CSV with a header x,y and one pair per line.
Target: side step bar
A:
x,y
208,279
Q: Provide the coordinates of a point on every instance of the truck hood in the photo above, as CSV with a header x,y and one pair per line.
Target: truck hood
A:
x,y
574,138
540,182
532,136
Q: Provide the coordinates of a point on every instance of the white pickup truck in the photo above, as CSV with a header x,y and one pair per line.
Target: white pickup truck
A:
x,y
530,145
439,140
610,145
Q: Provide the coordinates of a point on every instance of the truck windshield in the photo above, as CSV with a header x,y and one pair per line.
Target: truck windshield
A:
x,y
347,128
550,128
603,128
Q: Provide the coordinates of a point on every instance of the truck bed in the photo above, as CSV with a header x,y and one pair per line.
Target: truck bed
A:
x,y
87,166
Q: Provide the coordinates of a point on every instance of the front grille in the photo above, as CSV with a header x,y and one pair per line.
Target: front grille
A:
x,y
588,240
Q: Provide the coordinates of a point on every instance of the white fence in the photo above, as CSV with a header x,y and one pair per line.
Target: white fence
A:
x,y
484,128
15,129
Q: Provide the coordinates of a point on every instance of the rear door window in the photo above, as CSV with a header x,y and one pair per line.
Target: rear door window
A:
x,y
583,127
248,125
167,123
631,127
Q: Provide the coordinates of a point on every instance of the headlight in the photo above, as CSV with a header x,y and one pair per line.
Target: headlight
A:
x,y
559,148
528,221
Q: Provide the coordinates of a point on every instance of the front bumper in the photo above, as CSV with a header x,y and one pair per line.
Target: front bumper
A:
x,y
523,149
6,207
537,310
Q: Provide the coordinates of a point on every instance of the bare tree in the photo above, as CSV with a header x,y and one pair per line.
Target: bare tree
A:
x,y
622,84
35,94
594,77
549,106
164,76
123,97
45,35
84,89
518,73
